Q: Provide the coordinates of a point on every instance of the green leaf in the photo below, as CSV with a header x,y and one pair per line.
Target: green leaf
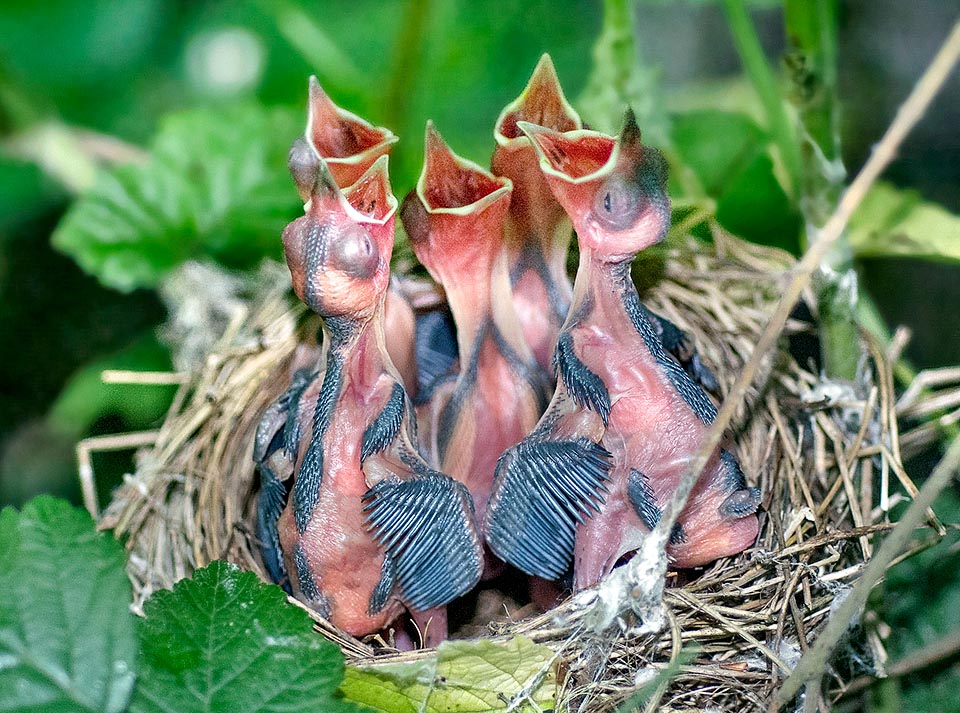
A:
x,y
215,185
224,641
717,145
85,398
463,676
67,639
896,222
728,152
918,616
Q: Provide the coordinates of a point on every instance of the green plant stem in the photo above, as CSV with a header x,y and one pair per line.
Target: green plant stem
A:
x,y
766,85
619,78
812,68
809,154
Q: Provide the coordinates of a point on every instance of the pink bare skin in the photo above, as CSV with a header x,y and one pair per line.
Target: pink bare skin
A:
x,y
352,536
454,221
349,145
537,231
627,401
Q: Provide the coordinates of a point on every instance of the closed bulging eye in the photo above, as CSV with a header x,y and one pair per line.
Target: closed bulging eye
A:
x,y
355,253
618,205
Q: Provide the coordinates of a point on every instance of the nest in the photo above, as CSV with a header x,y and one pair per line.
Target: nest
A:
x,y
826,456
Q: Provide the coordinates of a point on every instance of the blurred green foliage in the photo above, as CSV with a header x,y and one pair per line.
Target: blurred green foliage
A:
x,y
210,188
216,91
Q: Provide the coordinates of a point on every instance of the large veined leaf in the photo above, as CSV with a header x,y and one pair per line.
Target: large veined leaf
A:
x,y
895,222
729,154
215,185
67,639
463,676
224,641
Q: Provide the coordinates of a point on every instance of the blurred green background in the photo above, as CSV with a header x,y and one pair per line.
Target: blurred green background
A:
x,y
172,119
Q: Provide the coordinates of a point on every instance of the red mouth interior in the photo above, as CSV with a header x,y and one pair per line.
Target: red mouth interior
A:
x,y
370,196
450,185
576,156
542,106
343,138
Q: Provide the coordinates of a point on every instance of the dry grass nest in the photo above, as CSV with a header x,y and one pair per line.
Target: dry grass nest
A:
x,y
827,457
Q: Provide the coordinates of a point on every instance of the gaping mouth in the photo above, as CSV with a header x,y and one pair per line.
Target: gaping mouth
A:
x,y
338,134
542,103
451,183
371,195
573,155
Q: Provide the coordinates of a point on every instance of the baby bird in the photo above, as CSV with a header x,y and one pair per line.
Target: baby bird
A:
x,y
349,145
590,481
537,232
368,528
455,223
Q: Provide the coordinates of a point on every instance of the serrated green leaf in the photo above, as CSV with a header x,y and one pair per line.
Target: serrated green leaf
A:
x,y
463,676
224,641
67,638
896,222
215,185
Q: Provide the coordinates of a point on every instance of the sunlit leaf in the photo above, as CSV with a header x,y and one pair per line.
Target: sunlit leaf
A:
x,y
67,639
896,222
464,676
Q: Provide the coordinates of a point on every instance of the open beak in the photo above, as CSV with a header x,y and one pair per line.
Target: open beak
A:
x,y
572,156
542,102
349,144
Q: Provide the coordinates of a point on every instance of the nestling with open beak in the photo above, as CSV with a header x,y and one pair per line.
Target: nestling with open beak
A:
x,y
349,145
455,224
589,483
537,232
368,529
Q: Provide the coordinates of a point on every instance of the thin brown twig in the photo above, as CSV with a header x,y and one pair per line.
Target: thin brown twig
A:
x,y
143,378
933,653
115,442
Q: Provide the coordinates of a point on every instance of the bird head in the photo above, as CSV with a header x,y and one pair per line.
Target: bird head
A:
x,y
613,189
339,251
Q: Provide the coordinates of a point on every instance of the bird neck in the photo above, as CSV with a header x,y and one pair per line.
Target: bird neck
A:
x,y
359,345
599,287
481,296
